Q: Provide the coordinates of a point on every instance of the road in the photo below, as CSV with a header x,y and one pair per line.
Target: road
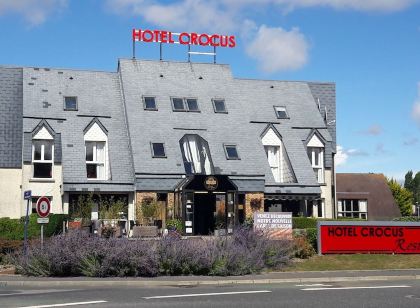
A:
x,y
395,293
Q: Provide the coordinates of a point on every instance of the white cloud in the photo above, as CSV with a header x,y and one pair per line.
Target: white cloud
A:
x,y
415,113
276,49
343,155
373,130
33,11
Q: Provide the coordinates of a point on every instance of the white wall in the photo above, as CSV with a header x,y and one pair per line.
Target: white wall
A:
x,y
326,194
10,192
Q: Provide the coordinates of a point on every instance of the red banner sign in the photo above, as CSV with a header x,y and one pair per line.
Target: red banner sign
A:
x,y
388,237
184,38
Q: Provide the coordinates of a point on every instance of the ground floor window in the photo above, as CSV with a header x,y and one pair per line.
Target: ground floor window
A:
x,y
352,208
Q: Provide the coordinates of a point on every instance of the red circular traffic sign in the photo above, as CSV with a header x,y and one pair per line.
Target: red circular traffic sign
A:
x,y
43,207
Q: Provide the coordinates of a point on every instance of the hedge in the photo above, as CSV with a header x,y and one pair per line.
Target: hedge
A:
x,y
407,219
303,222
13,229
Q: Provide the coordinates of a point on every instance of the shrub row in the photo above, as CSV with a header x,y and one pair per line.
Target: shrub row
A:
x,y
407,219
13,229
75,254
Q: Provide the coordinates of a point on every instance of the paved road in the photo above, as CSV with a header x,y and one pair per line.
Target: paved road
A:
x,y
395,293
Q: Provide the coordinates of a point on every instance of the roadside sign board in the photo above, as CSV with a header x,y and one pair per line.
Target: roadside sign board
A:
x,y
348,237
42,220
275,224
43,207
27,195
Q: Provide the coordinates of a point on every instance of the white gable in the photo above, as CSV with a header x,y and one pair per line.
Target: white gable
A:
x,y
271,138
43,134
95,133
315,142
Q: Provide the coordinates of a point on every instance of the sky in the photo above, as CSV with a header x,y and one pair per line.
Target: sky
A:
x,y
369,48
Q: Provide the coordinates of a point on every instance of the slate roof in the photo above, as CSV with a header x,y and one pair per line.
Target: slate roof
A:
x,y
250,109
370,186
10,117
99,96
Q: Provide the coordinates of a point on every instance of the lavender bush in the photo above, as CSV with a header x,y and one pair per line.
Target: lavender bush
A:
x,y
78,254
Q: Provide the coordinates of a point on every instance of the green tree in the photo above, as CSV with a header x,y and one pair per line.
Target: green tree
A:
x,y
402,196
409,181
416,188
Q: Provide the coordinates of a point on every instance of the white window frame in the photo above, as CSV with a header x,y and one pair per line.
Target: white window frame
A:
x,y
185,104
43,160
278,174
281,108
341,210
319,168
95,161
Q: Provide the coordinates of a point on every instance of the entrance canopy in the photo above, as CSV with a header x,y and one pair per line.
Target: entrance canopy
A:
x,y
209,183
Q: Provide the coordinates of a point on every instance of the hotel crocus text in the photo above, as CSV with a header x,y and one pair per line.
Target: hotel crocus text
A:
x,y
184,38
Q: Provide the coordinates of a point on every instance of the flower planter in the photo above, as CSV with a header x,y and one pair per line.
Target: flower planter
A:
x,y
75,225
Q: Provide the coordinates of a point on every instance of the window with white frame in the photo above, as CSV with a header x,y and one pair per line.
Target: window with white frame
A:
x,y
273,156
352,208
42,158
196,155
96,152
95,159
315,149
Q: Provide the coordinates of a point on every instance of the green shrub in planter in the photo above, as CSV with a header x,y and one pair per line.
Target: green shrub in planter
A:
x,y
312,237
303,222
174,224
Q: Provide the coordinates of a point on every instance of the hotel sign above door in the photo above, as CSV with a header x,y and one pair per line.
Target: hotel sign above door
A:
x,y
184,38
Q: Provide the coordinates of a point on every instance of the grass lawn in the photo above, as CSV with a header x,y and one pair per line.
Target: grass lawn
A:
x,y
356,262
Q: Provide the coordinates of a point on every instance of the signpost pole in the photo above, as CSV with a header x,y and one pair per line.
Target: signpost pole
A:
x,y
42,236
25,236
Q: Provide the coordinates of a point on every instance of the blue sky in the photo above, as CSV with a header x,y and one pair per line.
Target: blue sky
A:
x,y
370,48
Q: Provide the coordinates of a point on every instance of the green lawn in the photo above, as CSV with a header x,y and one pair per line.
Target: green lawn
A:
x,y
356,262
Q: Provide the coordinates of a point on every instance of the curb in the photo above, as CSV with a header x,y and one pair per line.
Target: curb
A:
x,y
144,283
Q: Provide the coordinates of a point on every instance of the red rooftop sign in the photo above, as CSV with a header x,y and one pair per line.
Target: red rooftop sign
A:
x,y
368,237
184,38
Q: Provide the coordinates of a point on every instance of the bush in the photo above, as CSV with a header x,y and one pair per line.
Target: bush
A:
x,y
174,224
407,219
303,249
312,237
75,254
304,222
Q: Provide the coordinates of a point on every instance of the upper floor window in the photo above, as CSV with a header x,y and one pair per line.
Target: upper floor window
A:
x,y
315,148
70,103
352,208
196,154
219,106
185,104
231,151
42,158
158,150
149,103
281,112
96,151
273,156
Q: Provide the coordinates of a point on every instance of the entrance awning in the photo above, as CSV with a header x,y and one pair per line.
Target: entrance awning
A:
x,y
292,197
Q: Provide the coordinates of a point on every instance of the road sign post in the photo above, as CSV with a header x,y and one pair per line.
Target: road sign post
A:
x,y
43,207
27,196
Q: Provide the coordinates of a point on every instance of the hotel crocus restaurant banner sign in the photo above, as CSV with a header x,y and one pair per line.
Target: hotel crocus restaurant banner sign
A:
x,y
184,38
368,237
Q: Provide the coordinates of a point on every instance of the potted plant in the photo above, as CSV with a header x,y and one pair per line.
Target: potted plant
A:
x,y
149,209
256,204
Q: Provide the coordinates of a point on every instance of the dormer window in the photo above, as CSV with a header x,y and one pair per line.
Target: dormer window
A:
x,y
196,155
42,154
281,112
219,106
315,149
70,103
149,103
96,151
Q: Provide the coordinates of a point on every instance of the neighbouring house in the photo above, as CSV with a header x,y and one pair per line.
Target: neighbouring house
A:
x,y
207,147
365,196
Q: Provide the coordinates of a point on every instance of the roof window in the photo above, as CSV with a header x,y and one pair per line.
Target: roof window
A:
x,y
281,112
185,104
149,103
158,150
70,103
231,151
219,106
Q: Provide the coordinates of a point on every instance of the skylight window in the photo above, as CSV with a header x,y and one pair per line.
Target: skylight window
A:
x,y
281,112
149,103
219,106
231,151
158,150
185,104
70,103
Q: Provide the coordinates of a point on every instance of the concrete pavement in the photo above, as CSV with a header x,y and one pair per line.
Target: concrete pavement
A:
x,y
265,278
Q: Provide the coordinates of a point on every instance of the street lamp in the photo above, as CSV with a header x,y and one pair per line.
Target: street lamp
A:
x,y
418,210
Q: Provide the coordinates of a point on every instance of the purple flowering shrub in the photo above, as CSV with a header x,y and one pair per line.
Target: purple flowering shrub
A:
x,y
78,254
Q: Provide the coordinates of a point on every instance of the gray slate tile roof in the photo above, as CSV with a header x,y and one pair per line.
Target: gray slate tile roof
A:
x,y
10,117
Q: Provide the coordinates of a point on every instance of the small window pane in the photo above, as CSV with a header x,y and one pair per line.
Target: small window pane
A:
x,y
150,103
100,152
47,150
70,103
281,112
37,150
91,171
231,152
192,104
178,103
219,105
89,151
42,170
355,205
158,150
